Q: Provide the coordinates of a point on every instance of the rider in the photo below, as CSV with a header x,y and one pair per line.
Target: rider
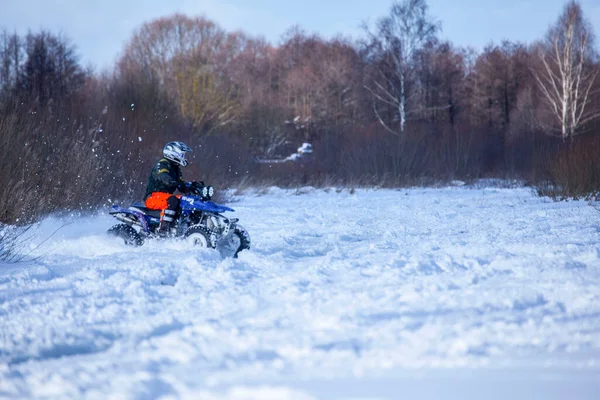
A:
x,y
164,180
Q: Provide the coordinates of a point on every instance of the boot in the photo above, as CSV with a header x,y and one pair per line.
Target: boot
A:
x,y
166,222
164,228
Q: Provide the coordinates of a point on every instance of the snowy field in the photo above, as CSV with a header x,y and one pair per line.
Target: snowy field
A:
x,y
451,293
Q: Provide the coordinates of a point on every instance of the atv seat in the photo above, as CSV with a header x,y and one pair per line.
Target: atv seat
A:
x,y
144,210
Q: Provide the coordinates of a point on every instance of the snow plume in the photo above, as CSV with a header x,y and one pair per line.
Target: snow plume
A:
x,y
422,293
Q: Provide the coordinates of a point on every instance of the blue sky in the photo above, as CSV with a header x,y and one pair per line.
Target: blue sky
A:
x,y
100,28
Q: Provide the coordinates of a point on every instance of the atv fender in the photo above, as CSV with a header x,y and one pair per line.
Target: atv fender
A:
x,y
139,217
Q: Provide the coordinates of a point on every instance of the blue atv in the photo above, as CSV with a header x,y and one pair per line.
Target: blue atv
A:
x,y
199,222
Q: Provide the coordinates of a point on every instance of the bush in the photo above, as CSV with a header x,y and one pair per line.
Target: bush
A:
x,y
574,170
13,241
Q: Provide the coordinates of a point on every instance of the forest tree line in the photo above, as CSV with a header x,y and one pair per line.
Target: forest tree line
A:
x,y
399,106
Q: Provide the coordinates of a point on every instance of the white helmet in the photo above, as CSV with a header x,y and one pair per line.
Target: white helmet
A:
x,y
175,152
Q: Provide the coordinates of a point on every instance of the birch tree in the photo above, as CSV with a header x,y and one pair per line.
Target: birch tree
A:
x,y
567,73
391,51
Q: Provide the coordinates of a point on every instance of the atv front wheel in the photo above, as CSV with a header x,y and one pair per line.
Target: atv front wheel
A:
x,y
200,237
127,233
236,241
244,238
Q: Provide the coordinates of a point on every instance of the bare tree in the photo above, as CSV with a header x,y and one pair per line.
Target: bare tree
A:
x,y
391,50
51,72
10,60
319,80
252,70
187,56
568,74
498,76
203,100
440,91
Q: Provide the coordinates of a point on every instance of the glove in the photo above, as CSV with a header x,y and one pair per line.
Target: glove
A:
x,y
184,187
196,186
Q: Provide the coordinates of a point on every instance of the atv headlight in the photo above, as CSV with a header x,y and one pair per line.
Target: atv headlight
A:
x,y
204,191
211,191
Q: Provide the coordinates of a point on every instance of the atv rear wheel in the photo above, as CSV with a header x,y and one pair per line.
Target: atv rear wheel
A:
x,y
200,237
127,233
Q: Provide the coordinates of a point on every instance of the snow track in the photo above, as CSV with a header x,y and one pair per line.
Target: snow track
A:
x,y
421,293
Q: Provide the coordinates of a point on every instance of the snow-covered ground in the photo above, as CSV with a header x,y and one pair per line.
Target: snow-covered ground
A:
x,y
447,293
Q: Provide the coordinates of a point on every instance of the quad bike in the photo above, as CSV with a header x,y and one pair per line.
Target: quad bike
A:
x,y
200,222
